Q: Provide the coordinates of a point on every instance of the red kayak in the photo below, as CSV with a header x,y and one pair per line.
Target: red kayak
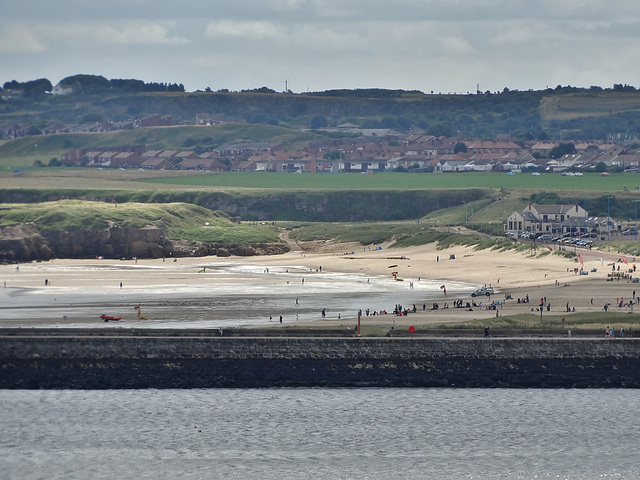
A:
x,y
106,318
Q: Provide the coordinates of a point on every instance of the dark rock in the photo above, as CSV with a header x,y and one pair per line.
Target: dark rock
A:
x,y
23,243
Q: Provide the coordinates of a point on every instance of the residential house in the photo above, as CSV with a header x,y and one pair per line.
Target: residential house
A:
x,y
543,148
104,158
151,153
551,219
212,164
156,163
168,154
90,159
153,121
12,131
492,147
450,163
185,154
72,157
126,159
60,89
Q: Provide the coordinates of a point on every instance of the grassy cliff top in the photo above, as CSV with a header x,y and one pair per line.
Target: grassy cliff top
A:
x,y
182,221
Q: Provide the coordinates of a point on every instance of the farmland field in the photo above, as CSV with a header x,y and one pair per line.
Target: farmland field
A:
x,y
403,181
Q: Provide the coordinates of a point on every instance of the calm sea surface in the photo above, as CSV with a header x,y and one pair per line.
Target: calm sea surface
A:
x,y
320,434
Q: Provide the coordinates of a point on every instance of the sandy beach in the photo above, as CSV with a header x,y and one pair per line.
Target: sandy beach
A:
x,y
299,284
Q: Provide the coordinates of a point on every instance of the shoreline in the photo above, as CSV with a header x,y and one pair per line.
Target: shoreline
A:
x,y
293,274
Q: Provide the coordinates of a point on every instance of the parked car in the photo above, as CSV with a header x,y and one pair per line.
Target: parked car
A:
x,y
545,237
483,291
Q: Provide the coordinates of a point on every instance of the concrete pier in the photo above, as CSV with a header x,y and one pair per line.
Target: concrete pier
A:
x,y
100,360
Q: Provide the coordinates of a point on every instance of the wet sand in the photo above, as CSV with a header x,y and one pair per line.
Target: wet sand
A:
x,y
200,291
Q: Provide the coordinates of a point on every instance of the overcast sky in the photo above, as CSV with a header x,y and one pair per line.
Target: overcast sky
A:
x,y
428,45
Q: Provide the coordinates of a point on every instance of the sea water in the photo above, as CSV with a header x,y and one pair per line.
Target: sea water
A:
x,y
448,434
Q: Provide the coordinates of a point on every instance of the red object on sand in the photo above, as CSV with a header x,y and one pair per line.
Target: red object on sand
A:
x,y
412,329
106,318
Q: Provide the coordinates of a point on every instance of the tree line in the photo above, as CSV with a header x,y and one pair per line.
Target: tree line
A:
x,y
92,84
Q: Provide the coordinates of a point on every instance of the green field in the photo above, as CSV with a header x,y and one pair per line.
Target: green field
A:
x,y
591,182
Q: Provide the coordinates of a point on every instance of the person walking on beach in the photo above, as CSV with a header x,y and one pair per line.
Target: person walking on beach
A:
x,y
280,318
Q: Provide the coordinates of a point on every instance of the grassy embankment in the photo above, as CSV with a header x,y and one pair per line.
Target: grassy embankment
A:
x,y
182,221
587,104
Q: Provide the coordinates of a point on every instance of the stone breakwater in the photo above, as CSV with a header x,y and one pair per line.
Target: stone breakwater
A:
x,y
104,362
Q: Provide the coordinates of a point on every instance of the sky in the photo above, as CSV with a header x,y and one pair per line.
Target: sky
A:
x,y
313,45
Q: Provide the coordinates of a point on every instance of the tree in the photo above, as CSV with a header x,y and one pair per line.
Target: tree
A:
x,y
440,129
319,121
89,83
12,85
460,147
127,85
333,155
562,149
92,117
36,88
600,167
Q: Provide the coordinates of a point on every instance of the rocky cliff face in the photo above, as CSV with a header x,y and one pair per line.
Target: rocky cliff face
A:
x,y
24,243
115,242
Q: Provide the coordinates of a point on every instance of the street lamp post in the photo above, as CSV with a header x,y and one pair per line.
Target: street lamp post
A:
x,y
608,220
635,222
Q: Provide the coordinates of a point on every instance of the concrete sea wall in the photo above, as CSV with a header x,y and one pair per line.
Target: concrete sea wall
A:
x,y
100,362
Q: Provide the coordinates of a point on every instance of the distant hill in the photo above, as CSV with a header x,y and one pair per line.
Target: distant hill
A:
x,y
186,137
561,113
